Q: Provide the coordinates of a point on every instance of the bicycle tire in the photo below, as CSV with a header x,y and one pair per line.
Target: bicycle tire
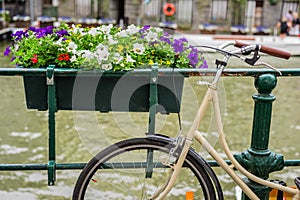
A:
x,y
101,183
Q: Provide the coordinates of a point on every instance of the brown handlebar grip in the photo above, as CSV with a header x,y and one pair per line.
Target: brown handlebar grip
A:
x,y
268,50
240,44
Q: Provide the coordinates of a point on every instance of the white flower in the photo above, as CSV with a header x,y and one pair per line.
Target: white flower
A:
x,y
122,33
111,40
107,66
72,47
151,36
73,58
93,32
158,30
106,29
59,42
87,54
102,55
76,30
118,58
138,48
129,59
132,29
102,47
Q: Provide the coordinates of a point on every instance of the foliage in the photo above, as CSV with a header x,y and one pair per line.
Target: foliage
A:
x,y
105,47
4,16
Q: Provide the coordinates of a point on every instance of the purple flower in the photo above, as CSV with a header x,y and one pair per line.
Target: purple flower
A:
x,y
177,46
183,39
62,33
153,43
166,40
193,57
145,28
204,64
49,29
42,32
31,28
7,51
19,35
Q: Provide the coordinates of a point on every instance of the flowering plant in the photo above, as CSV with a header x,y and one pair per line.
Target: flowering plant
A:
x,y
105,47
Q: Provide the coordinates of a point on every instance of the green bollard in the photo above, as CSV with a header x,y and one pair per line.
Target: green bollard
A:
x,y
258,159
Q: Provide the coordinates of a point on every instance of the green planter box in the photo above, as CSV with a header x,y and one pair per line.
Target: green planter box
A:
x,y
105,93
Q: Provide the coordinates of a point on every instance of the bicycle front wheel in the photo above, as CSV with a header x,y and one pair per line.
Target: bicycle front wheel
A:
x,y
119,172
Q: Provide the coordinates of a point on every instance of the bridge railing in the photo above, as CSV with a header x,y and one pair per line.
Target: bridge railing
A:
x,y
265,82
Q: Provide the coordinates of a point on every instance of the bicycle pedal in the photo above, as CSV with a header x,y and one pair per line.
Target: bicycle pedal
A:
x,y
297,182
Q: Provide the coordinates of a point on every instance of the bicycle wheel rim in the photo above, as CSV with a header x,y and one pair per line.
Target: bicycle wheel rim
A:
x,y
119,182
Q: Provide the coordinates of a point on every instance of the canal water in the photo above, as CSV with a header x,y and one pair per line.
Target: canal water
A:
x,y
24,133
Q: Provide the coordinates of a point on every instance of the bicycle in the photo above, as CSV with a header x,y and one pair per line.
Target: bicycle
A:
x,y
156,162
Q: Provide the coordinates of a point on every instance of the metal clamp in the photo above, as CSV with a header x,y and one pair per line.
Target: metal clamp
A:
x,y
50,75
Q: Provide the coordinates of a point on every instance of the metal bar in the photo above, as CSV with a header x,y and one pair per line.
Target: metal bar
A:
x,y
72,166
153,101
42,166
51,124
161,71
15,167
287,163
75,166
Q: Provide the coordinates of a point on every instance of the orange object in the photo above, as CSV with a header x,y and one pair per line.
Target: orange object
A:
x,y
286,196
189,195
169,9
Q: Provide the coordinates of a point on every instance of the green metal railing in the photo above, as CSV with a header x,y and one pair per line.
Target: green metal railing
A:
x,y
265,82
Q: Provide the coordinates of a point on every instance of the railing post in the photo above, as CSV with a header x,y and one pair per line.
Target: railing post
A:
x,y
52,108
153,101
258,159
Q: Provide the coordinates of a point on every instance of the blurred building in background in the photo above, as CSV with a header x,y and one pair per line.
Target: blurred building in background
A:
x,y
243,16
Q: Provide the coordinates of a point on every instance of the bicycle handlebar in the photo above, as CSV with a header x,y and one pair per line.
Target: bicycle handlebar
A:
x,y
268,50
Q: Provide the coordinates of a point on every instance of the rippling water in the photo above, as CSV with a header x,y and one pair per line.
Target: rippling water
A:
x,y
24,132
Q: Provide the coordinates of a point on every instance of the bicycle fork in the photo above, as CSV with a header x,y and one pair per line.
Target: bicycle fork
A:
x,y
166,188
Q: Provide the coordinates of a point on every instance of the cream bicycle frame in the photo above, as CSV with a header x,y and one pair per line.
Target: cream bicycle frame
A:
x,y
212,97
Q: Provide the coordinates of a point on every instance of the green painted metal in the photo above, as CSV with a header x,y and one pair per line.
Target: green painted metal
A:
x,y
265,81
153,101
51,123
258,159
186,72
51,172
75,166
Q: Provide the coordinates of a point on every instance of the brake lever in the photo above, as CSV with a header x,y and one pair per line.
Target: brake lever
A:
x,y
269,66
254,59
